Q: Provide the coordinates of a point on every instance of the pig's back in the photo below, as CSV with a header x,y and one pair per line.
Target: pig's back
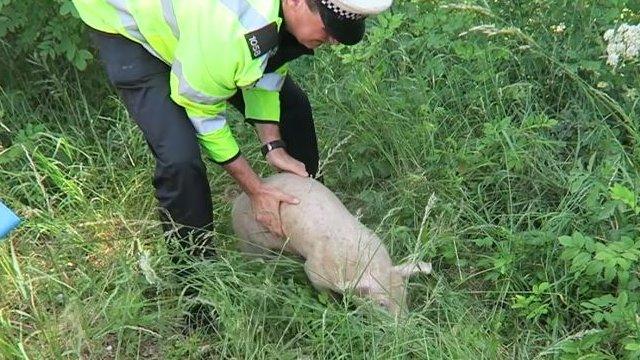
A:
x,y
307,189
320,217
323,226
318,205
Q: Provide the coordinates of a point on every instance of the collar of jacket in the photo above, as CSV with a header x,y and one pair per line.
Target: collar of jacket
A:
x,y
288,48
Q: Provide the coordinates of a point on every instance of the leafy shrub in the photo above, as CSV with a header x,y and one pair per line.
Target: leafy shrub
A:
x,y
604,274
48,29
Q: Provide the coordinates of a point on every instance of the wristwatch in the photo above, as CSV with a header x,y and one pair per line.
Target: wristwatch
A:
x,y
272,145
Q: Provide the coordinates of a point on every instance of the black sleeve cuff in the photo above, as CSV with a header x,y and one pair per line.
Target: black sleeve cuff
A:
x,y
223,163
256,121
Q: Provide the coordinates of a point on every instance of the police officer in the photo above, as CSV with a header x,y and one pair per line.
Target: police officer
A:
x,y
178,63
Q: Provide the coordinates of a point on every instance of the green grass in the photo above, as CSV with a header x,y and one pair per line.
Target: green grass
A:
x,y
509,134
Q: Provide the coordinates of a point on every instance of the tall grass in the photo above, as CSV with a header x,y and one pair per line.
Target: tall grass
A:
x,y
473,152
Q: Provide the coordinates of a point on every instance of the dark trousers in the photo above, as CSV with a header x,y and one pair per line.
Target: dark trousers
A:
x,y
180,177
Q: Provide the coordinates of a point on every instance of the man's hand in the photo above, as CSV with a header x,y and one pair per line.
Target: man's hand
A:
x,y
265,199
280,159
266,207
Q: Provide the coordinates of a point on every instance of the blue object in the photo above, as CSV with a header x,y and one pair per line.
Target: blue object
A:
x,y
8,220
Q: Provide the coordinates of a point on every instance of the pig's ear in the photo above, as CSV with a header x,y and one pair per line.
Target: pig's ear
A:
x,y
408,269
365,286
362,287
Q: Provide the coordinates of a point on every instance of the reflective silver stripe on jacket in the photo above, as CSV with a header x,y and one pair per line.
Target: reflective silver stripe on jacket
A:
x,y
130,25
250,18
208,125
190,93
170,17
270,82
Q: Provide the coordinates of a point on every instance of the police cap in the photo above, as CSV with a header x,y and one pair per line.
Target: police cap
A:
x,y
345,19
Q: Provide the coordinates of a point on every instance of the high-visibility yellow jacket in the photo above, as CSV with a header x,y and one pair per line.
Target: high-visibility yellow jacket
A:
x,y
213,48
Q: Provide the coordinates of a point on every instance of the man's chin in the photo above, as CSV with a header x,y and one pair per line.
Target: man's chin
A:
x,y
311,45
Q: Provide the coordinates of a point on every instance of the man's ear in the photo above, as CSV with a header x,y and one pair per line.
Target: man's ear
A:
x,y
408,269
295,3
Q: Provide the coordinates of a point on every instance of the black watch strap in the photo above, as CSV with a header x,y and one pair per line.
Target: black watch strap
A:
x,y
272,145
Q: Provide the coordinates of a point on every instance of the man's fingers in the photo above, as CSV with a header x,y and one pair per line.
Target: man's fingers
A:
x,y
300,169
286,162
271,221
289,199
274,228
266,205
296,167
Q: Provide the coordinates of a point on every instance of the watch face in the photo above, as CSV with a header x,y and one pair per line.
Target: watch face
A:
x,y
271,146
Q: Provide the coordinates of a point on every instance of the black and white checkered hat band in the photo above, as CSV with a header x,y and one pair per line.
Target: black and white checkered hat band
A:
x,y
341,12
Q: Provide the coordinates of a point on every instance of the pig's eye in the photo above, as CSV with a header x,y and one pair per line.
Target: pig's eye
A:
x,y
383,304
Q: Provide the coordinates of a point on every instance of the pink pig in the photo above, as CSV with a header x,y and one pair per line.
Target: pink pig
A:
x,y
340,252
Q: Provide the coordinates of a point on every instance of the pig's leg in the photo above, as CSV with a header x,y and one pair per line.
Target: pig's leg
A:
x,y
261,244
253,238
319,282
252,250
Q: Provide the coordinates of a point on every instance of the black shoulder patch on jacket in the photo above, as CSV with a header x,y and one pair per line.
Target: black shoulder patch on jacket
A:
x,y
262,40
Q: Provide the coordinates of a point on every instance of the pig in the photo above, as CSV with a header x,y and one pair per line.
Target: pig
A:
x,y
340,253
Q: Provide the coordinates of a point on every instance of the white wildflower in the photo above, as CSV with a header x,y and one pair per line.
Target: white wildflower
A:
x,y
623,43
559,29
608,35
146,268
613,59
